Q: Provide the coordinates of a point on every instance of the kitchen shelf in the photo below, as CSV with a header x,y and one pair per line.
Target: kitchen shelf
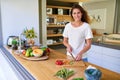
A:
x,y
48,6
58,43
57,17
54,26
54,35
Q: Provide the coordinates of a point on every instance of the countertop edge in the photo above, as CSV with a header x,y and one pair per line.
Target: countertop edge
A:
x,y
107,45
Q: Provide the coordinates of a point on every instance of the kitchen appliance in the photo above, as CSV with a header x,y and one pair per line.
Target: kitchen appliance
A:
x,y
51,20
10,39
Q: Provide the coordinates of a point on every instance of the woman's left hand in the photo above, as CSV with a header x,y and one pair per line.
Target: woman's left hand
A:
x,y
79,57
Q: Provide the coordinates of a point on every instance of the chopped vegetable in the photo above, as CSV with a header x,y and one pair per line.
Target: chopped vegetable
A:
x,y
59,62
64,62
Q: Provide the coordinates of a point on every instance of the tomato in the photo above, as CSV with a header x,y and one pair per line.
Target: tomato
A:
x,y
59,62
24,52
48,50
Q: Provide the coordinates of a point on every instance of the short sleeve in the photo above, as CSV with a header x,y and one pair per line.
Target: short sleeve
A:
x,y
88,33
65,31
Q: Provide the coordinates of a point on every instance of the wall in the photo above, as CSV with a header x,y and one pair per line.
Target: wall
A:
x,y
117,19
0,28
110,11
42,21
16,15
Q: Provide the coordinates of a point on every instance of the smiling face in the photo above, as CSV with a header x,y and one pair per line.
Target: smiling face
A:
x,y
76,14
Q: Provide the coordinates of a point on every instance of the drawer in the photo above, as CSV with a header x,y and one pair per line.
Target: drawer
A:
x,y
112,67
96,48
94,55
95,61
111,52
111,60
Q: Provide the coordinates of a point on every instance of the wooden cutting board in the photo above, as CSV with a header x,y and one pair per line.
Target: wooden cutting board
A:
x,y
72,63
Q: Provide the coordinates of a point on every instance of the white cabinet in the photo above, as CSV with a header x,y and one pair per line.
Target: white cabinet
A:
x,y
95,55
105,57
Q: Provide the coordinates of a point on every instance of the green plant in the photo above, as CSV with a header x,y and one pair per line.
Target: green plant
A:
x,y
29,33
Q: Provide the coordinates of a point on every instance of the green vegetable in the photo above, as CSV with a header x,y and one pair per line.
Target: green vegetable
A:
x,y
44,48
64,73
28,51
71,62
31,54
78,79
27,54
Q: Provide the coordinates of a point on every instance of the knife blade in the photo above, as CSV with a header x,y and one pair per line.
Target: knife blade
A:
x,y
72,56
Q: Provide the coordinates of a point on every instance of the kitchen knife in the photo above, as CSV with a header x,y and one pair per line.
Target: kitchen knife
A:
x,y
72,56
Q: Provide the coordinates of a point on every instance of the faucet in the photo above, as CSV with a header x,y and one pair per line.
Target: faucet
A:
x,y
19,47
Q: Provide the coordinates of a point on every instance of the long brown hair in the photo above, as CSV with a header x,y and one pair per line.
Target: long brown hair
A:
x,y
85,17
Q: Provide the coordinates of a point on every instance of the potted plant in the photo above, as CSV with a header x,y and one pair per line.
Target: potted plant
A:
x,y
30,36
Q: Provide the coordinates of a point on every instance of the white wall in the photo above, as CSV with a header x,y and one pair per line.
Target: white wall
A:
x,y
16,15
110,12
1,41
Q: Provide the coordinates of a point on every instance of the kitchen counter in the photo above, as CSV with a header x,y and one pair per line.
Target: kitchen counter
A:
x,y
45,70
100,40
107,45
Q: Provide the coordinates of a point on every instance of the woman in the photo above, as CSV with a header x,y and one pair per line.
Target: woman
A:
x,y
77,34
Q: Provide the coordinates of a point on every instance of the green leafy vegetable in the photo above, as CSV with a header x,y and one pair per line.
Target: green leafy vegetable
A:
x,y
64,73
78,79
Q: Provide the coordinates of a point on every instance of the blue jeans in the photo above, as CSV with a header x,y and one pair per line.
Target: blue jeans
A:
x,y
85,59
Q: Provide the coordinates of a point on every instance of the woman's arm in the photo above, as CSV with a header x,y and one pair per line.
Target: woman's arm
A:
x,y
86,48
65,42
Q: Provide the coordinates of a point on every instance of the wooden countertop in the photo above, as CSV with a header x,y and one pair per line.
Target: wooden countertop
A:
x,y
45,70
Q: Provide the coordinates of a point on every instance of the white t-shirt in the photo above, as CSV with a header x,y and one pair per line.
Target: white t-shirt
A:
x,y
76,36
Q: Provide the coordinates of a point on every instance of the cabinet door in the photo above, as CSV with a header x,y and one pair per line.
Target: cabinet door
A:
x,y
95,60
115,67
94,55
105,57
111,59
111,52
